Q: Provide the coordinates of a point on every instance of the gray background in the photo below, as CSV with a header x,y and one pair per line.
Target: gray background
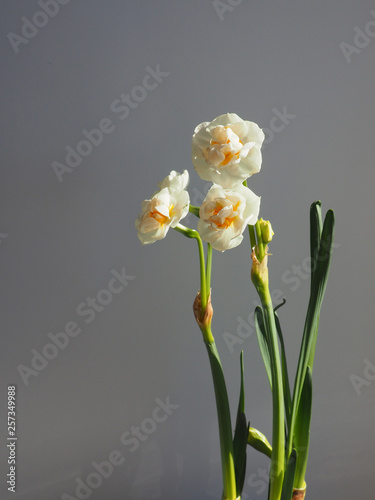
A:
x,y
61,240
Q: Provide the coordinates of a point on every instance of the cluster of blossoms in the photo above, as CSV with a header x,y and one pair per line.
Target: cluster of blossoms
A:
x,y
226,151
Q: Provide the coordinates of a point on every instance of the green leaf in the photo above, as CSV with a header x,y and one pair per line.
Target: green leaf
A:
x,y
240,436
284,369
259,442
324,255
224,420
263,342
279,305
315,233
319,282
241,402
302,429
287,491
239,451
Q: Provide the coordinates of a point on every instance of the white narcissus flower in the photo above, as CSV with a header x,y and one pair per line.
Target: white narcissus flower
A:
x,y
227,150
165,209
224,215
175,180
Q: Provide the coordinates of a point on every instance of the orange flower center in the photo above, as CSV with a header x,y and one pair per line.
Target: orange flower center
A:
x,y
160,218
228,221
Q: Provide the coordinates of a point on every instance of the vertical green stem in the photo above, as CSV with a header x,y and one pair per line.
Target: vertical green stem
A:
x,y
204,295
278,437
208,268
192,233
221,395
251,228
259,276
260,245
253,240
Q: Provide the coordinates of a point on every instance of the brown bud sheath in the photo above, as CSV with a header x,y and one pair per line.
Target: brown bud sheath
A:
x,y
203,318
299,493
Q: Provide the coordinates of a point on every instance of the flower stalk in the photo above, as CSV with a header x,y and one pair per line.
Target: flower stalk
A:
x,y
288,467
259,276
203,313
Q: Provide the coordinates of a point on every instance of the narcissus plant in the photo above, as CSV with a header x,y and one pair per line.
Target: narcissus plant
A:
x,y
227,151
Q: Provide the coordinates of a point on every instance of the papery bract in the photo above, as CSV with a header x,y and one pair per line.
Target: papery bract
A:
x,y
165,209
224,215
227,151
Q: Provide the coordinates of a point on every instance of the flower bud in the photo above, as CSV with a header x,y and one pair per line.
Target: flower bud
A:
x,y
259,442
266,230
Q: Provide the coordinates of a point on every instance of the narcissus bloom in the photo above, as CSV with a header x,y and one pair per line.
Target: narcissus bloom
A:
x,y
175,181
165,209
227,150
224,215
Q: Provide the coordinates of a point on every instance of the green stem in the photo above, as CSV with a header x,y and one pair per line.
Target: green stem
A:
x,y
208,268
204,295
260,246
253,240
278,436
260,280
194,210
192,233
221,395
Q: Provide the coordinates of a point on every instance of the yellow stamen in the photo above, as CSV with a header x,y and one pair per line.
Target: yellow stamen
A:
x,y
160,218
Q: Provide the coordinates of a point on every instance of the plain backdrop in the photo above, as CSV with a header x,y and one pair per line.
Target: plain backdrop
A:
x,y
64,237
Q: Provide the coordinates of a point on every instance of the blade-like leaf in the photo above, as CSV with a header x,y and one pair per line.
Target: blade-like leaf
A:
x,y
318,287
241,402
287,491
240,436
302,429
284,368
315,233
262,340
324,255
224,418
279,305
239,451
